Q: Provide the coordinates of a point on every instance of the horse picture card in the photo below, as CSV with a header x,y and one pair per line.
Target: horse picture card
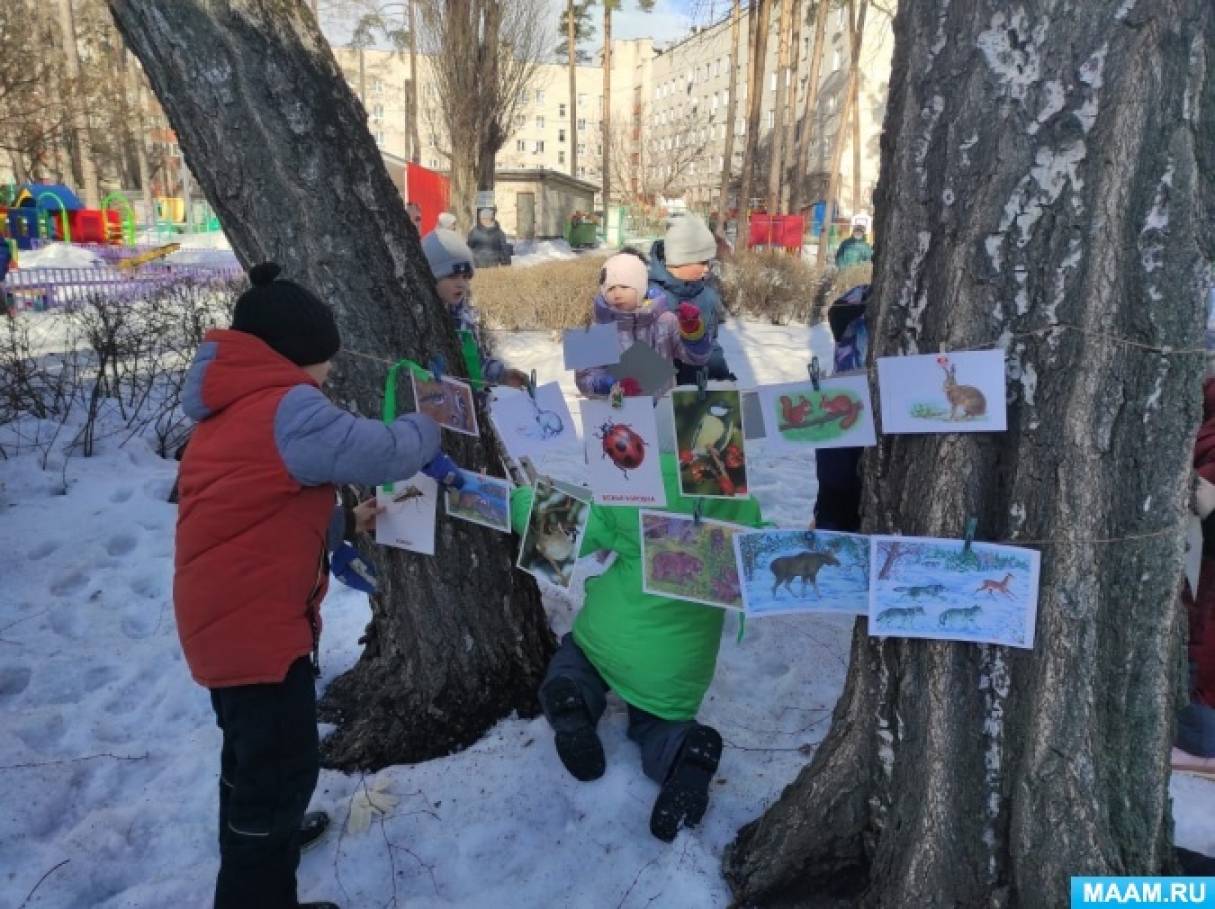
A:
x,y
838,415
961,391
785,571
923,587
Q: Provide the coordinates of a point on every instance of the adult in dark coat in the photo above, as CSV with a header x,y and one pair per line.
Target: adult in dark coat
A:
x,y
487,241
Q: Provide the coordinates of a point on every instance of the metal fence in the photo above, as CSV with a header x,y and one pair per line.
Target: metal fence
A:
x,y
45,288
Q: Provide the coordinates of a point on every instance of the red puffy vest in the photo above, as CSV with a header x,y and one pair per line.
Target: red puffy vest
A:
x,y
251,550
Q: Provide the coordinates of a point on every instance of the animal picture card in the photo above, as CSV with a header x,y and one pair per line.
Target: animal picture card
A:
x,y
622,452
555,525
449,402
803,571
709,440
595,345
481,500
838,415
921,587
949,392
689,560
641,362
533,427
408,519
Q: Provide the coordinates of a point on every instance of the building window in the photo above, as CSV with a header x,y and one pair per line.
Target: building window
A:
x,y
581,148
837,59
379,137
561,110
771,118
520,119
581,100
772,81
560,157
520,145
538,148
581,124
539,123
377,87
560,135
523,96
377,111
539,97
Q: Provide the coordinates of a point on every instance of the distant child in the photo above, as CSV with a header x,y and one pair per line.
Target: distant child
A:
x,y
644,316
657,653
680,266
256,524
451,262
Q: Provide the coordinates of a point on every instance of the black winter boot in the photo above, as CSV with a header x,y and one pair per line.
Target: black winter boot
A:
x,y
319,906
312,829
685,795
577,742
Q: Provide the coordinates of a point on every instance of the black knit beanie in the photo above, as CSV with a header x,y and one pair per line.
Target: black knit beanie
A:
x,y
289,318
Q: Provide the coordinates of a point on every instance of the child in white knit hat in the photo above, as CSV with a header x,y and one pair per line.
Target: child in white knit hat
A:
x,y
642,316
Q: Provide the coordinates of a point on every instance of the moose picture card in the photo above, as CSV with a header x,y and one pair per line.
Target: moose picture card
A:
x,y
785,571
922,587
962,391
839,414
622,456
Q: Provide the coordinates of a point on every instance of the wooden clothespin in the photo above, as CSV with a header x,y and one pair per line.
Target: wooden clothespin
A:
x,y
529,470
437,367
697,510
616,396
531,386
702,382
968,534
815,372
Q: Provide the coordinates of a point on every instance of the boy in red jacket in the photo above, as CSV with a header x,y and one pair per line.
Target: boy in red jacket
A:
x,y
257,519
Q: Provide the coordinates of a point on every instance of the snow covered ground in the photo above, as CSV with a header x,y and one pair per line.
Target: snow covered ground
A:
x,y
110,755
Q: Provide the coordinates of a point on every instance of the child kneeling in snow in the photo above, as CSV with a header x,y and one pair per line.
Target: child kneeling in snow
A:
x,y
257,520
622,299
451,262
657,653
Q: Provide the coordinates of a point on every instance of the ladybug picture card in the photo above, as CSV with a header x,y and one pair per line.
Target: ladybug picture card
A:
x,y
838,415
622,452
709,440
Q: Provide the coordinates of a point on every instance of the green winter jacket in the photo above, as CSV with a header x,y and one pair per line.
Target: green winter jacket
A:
x,y
657,653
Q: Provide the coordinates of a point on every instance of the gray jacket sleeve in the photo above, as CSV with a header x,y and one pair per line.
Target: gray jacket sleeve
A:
x,y
322,443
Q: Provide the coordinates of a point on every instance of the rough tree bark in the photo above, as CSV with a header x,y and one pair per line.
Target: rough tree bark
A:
x,y
1047,186
761,16
280,146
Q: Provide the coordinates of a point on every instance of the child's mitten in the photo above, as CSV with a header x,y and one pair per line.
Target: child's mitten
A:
x,y
691,326
444,470
351,569
630,387
602,384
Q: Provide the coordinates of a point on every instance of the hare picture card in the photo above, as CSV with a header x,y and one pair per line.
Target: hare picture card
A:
x,y
533,427
838,415
595,345
622,449
646,365
961,391
449,402
408,518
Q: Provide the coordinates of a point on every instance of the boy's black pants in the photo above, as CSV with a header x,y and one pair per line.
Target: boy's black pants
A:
x,y
268,770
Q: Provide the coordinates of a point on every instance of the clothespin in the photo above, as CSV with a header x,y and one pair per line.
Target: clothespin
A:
x,y
702,382
531,386
437,367
968,534
697,510
529,470
815,372
616,396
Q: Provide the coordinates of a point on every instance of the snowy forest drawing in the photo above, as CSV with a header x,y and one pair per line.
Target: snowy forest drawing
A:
x,y
786,571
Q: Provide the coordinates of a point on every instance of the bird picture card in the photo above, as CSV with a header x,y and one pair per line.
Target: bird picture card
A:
x,y
482,500
644,364
622,448
838,415
709,440
922,587
961,391
530,427
447,401
786,571
687,559
555,526
408,518
595,345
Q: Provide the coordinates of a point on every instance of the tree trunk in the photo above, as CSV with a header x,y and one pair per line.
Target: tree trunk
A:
x,y
856,34
141,150
607,111
1047,189
727,168
415,138
571,40
280,146
801,164
776,144
761,12
856,136
790,143
80,117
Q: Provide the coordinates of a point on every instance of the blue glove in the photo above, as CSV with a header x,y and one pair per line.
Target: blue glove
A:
x,y
445,471
351,569
602,384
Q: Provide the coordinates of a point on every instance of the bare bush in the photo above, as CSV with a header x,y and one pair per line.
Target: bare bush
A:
x,y
552,295
781,288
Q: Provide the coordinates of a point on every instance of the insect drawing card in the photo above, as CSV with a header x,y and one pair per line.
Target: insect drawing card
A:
x,y
961,391
449,402
786,571
709,439
692,560
408,518
482,500
922,587
622,452
533,427
555,526
838,415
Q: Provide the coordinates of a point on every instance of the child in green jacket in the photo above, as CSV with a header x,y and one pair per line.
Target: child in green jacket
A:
x,y
658,654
